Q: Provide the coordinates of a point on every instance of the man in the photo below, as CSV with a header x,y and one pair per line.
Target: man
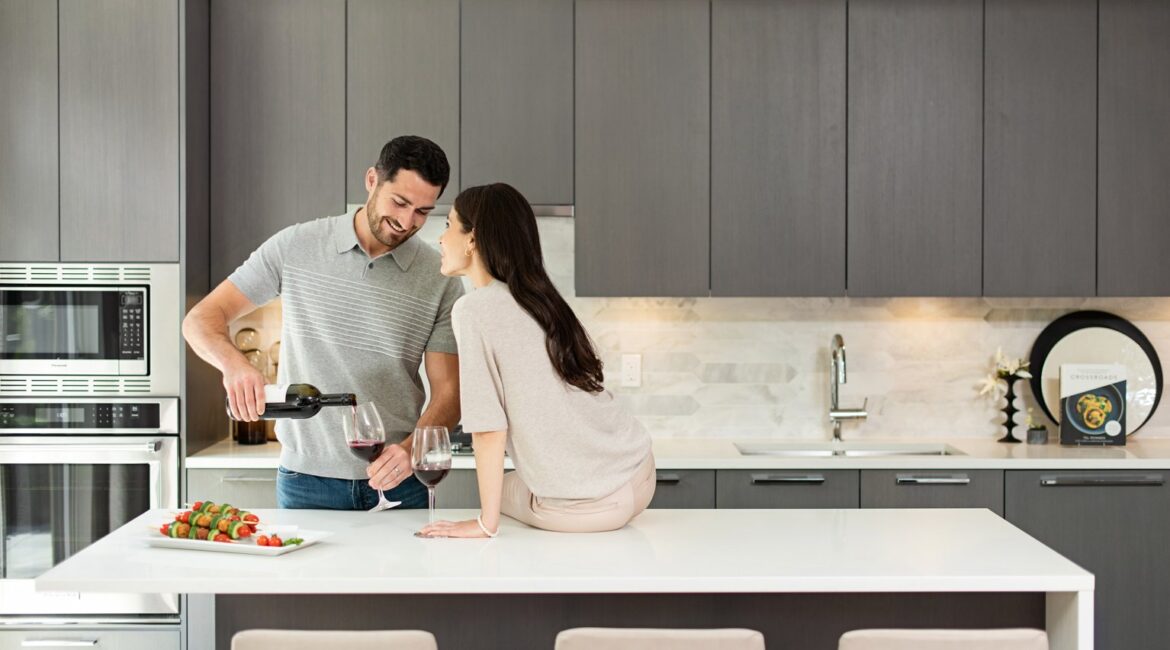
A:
x,y
363,305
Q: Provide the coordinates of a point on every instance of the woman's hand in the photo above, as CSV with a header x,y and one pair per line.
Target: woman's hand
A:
x,y
469,528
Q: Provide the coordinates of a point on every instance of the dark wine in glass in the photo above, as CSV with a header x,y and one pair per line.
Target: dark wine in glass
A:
x,y
430,458
366,450
430,476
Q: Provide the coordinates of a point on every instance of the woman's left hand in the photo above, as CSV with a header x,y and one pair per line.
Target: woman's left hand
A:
x,y
469,528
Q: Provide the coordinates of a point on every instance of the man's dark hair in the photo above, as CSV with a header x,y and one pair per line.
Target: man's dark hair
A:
x,y
416,154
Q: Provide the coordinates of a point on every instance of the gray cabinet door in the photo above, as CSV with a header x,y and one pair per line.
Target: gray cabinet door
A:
x,y
119,130
243,488
1133,227
786,489
642,148
1040,157
1115,524
516,97
459,489
402,78
277,121
122,639
882,488
778,148
29,210
915,147
685,488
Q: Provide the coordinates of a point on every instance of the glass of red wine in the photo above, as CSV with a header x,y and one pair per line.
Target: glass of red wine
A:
x,y
366,438
430,458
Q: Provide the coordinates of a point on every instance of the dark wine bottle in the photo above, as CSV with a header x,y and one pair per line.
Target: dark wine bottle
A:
x,y
297,401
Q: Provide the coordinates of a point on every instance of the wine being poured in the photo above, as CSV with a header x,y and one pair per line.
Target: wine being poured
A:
x,y
366,438
297,401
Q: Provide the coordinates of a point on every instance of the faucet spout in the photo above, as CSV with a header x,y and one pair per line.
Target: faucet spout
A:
x,y
837,377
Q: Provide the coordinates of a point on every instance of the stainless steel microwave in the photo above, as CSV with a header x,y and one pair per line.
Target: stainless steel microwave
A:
x,y
66,326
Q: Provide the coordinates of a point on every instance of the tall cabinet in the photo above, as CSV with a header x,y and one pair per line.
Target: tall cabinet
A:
x,y
915,147
642,147
1133,228
277,120
28,130
778,148
401,73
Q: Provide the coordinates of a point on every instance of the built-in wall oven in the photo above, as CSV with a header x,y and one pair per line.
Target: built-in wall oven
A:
x,y
71,471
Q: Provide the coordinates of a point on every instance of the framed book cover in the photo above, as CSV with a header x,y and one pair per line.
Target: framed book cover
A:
x,y
1092,404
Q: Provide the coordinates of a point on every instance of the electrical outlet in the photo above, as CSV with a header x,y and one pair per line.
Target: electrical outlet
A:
x,y
631,370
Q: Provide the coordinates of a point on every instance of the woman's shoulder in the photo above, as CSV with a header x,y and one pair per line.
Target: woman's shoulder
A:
x,y
483,303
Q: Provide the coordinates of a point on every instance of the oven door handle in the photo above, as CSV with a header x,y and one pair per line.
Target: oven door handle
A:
x,y
58,643
149,447
148,452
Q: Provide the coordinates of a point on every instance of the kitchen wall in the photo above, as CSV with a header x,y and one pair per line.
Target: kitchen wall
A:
x,y
758,367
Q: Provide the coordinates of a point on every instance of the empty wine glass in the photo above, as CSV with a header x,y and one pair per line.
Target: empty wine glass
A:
x,y
430,458
366,438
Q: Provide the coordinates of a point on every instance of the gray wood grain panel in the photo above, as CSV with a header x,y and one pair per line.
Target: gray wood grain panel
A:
x,y
277,121
685,488
460,489
1134,202
915,147
119,130
1040,158
516,97
1119,533
402,78
778,148
786,489
880,488
642,148
29,209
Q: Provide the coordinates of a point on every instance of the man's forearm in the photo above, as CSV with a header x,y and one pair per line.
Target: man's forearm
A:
x,y
443,410
207,334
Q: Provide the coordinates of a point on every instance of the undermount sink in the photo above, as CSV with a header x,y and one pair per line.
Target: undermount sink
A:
x,y
844,449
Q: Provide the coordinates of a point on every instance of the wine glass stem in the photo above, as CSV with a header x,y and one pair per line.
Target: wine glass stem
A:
x,y
431,502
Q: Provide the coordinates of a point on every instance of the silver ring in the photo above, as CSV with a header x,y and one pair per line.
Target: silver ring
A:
x,y
397,470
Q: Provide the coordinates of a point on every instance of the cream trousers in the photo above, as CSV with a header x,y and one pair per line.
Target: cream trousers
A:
x,y
580,515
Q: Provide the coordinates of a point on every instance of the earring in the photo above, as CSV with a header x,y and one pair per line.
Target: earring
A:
x,y
467,252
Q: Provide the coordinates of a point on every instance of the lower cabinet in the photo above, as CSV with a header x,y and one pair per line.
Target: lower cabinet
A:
x,y
244,488
684,488
786,489
122,639
459,489
882,488
1115,524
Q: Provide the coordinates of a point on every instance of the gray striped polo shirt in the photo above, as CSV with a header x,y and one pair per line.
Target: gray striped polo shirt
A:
x,y
351,324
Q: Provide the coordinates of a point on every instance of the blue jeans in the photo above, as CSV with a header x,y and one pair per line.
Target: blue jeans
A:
x,y
306,491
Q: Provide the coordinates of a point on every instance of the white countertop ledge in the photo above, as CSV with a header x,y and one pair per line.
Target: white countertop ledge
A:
x,y
661,551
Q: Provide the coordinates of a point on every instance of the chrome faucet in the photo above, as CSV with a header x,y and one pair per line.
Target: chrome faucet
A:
x,y
836,378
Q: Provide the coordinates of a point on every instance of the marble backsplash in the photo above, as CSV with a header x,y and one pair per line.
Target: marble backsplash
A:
x,y
759,367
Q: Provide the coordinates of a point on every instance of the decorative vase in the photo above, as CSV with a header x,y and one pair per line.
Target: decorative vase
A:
x,y
1010,409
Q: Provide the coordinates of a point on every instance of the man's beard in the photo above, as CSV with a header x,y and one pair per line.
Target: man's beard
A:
x,y
375,221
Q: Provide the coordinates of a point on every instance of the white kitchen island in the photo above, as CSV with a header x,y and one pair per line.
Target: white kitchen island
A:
x,y
801,569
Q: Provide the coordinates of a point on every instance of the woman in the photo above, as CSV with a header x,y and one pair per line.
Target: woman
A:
x,y
531,382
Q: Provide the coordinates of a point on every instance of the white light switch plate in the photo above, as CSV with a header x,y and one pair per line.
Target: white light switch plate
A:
x,y
631,370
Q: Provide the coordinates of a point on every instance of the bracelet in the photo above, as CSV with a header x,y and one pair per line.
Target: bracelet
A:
x,y
479,520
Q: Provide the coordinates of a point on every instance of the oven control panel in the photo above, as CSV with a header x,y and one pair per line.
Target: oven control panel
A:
x,y
84,415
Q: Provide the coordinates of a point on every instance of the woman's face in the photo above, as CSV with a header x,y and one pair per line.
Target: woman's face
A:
x,y
455,247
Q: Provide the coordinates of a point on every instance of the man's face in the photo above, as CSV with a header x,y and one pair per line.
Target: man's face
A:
x,y
398,208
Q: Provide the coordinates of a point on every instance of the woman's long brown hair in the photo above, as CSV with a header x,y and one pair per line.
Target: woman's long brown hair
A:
x,y
505,234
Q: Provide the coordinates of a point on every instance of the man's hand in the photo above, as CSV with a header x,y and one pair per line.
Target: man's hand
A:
x,y
390,468
245,390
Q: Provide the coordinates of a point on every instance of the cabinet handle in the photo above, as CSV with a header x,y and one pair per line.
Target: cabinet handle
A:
x,y
246,479
950,479
765,479
1102,481
58,643
670,479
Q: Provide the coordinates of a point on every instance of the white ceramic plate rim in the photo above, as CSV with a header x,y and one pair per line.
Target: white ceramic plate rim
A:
x,y
247,548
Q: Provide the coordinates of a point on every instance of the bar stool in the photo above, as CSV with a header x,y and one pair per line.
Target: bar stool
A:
x,y
1010,639
605,638
317,639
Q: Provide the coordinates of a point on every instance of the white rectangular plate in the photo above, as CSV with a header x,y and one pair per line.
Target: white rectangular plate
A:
x,y
248,547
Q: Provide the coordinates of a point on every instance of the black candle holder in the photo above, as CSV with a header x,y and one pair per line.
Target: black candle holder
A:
x,y
1010,409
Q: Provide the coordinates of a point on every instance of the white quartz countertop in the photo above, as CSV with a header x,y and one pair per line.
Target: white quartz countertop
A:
x,y
721,453
661,551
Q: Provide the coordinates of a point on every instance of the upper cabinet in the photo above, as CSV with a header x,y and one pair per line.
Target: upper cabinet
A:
x,y
1040,152
402,78
642,147
277,120
28,130
516,97
1133,228
777,148
119,130
915,147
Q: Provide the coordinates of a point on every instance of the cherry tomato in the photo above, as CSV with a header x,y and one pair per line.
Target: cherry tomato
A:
x,y
262,540
165,530
197,505
275,541
244,531
251,518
